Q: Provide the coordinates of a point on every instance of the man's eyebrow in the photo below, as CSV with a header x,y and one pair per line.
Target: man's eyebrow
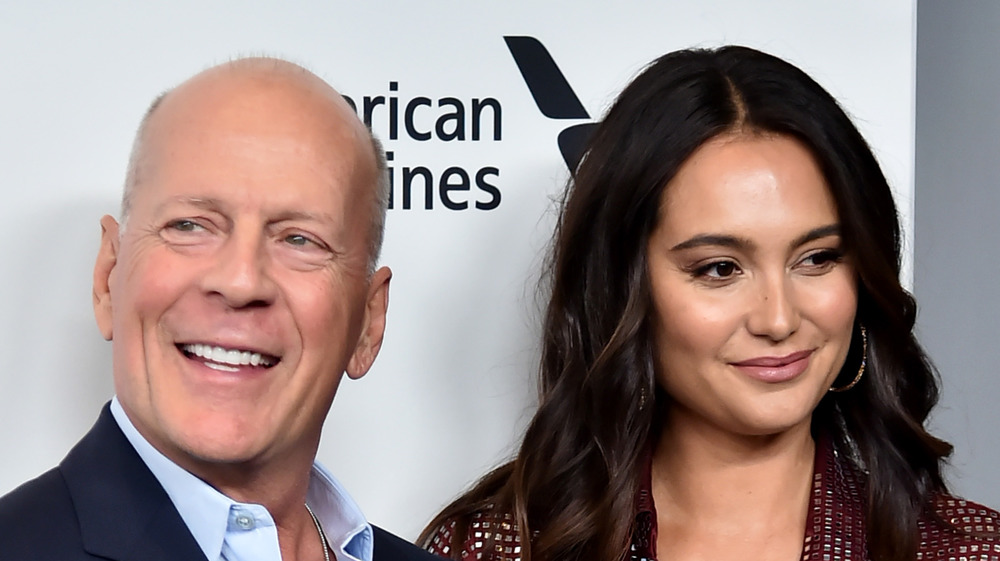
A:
x,y
210,203
306,216
736,242
200,202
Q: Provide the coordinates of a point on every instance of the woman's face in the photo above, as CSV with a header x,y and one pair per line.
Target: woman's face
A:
x,y
753,298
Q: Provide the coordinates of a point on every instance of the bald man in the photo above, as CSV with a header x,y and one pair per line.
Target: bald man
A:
x,y
239,287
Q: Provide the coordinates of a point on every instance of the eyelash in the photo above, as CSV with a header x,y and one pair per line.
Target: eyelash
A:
x,y
822,261
184,225
306,242
187,225
828,257
703,271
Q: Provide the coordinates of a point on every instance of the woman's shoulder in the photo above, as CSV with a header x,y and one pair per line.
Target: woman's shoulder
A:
x,y
956,528
486,535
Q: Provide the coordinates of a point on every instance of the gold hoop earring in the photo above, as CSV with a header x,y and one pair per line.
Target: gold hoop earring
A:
x,y
861,369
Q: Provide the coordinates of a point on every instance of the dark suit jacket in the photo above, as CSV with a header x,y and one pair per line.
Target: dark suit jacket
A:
x,y
102,502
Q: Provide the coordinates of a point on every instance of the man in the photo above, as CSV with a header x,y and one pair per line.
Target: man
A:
x,y
238,288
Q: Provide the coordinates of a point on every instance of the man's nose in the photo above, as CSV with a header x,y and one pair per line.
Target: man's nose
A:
x,y
774,312
240,273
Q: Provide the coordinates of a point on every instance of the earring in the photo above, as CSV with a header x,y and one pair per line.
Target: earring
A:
x,y
642,398
864,361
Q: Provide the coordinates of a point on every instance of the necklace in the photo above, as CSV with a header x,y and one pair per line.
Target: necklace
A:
x,y
322,534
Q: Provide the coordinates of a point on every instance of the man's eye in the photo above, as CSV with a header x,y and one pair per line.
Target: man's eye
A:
x,y
184,225
298,240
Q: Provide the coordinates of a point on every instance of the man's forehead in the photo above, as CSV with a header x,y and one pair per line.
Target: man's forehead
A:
x,y
257,92
247,74
289,109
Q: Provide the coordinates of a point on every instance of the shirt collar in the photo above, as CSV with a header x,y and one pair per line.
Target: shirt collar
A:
x,y
206,511
344,524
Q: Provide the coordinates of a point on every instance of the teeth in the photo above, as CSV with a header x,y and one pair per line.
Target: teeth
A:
x,y
224,359
221,367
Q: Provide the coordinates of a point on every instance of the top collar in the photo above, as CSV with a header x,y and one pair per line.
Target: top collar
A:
x,y
835,524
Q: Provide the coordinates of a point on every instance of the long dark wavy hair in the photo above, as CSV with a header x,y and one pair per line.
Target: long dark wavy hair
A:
x,y
571,487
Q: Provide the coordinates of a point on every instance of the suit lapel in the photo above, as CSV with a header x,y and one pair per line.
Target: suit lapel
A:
x,y
123,511
393,548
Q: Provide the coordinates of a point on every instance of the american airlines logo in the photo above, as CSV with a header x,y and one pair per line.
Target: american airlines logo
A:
x,y
553,95
400,114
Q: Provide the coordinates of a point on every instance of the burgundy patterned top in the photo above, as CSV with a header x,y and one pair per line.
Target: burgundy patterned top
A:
x,y
835,529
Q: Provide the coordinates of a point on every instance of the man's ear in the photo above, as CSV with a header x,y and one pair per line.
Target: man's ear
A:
x,y
374,325
107,258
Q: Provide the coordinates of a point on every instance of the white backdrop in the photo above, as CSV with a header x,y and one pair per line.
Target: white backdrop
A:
x,y
454,385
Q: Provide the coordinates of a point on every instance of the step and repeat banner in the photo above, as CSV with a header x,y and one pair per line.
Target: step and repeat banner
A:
x,y
476,167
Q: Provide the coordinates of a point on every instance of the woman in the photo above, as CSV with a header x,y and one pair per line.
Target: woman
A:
x,y
728,362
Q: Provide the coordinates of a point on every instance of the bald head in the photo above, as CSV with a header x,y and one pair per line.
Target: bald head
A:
x,y
252,228
289,97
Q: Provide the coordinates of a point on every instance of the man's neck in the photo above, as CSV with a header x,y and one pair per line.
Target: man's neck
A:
x,y
301,540
280,489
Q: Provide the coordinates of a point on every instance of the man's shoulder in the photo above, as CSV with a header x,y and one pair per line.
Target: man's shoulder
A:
x,y
35,502
389,547
37,521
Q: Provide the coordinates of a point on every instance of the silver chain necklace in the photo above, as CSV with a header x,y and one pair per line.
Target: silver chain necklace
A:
x,y
322,534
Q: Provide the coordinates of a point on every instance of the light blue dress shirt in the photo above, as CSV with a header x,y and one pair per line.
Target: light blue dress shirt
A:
x,y
228,530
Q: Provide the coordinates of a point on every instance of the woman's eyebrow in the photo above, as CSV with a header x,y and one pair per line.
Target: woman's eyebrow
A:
x,y
817,233
714,239
735,242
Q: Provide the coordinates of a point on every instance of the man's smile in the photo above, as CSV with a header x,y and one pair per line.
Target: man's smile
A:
x,y
227,360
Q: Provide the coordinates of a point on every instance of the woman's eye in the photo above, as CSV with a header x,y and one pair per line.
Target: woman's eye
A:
x,y
822,259
720,270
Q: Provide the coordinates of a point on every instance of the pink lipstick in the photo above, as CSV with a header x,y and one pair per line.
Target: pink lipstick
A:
x,y
774,370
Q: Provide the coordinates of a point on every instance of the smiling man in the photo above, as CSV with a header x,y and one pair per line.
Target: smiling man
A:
x,y
239,287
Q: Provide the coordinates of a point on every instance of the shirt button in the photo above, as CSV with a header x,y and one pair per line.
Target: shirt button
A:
x,y
244,521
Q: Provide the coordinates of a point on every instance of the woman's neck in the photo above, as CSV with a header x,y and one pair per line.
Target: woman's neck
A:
x,y
720,495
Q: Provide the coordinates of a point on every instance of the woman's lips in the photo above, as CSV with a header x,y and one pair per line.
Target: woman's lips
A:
x,y
774,370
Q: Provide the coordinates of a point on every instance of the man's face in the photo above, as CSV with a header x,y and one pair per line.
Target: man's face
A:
x,y
237,292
